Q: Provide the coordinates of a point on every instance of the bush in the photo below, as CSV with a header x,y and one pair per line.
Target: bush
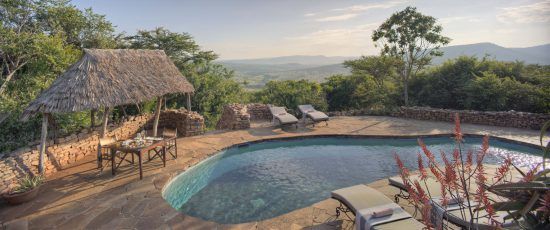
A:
x,y
469,83
292,93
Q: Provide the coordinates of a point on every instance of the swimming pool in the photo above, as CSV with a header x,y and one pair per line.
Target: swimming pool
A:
x,y
263,180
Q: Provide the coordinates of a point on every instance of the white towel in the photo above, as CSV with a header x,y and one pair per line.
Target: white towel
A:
x,y
365,220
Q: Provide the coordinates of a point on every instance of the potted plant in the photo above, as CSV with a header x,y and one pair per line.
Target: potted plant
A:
x,y
26,191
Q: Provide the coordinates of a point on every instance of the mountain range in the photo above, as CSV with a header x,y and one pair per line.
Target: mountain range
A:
x,y
257,72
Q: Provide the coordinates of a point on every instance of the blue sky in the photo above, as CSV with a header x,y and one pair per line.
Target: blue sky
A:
x,y
266,28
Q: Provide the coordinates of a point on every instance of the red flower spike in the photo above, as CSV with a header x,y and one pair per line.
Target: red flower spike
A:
x,y
529,176
404,171
427,152
458,131
456,157
423,173
469,161
503,169
444,198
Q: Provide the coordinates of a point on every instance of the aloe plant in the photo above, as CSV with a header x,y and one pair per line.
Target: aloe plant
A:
x,y
528,199
28,183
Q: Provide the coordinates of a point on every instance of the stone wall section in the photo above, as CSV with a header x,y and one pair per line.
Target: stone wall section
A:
x,y
507,118
259,112
239,116
65,151
188,123
234,117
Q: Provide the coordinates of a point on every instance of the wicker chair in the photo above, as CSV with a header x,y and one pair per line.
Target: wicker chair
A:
x,y
172,145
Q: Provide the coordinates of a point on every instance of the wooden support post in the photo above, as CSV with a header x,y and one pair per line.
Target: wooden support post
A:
x,y
105,121
157,116
188,101
124,111
43,138
92,118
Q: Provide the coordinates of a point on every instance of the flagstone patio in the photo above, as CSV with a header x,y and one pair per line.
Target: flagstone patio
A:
x,y
81,197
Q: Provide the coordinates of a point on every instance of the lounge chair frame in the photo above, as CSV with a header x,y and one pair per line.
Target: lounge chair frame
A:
x,y
277,121
305,115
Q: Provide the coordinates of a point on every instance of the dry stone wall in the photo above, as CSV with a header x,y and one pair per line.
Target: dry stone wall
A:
x,y
259,112
65,151
188,123
234,116
508,118
239,116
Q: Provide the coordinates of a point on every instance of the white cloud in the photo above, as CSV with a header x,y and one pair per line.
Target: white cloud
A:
x,y
449,20
366,7
343,41
340,36
353,11
532,13
342,17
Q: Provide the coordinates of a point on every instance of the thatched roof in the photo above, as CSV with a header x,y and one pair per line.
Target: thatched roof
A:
x,y
111,77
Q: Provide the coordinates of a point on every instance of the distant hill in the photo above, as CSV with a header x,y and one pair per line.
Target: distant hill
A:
x,y
318,60
257,72
530,55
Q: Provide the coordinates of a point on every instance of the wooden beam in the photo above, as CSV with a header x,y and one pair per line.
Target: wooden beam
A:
x,y
188,101
43,138
157,116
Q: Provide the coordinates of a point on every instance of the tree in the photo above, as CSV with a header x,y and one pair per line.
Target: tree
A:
x,y
412,38
379,67
35,47
26,25
180,47
214,84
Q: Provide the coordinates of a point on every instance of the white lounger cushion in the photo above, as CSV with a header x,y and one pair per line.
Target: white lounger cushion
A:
x,y
280,114
364,219
361,197
317,116
310,112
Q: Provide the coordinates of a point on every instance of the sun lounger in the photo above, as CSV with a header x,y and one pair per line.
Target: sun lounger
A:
x,y
452,212
309,112
282,117
431,185
372,209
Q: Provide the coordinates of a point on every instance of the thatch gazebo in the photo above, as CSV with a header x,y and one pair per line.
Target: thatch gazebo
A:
x,y
109,78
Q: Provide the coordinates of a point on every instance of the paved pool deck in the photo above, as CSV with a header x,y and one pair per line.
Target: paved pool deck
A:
x,y
81,197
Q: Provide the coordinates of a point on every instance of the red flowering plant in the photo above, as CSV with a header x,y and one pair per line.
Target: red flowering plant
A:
x,y
466,185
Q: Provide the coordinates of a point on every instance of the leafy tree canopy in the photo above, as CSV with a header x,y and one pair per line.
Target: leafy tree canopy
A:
x,y
412,38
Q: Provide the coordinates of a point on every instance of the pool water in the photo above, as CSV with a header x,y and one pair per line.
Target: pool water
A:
x,y
267,179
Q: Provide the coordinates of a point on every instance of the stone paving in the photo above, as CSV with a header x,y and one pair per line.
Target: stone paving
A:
x,y
81,197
